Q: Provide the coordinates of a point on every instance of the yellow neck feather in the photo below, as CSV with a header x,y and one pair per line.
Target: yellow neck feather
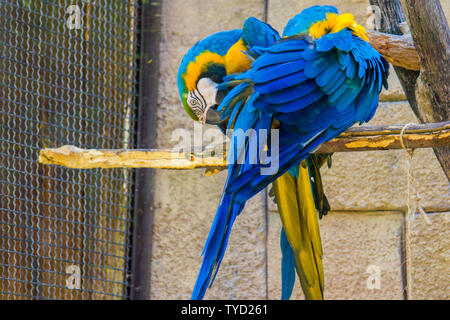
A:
x,y
197,67
335,23
234,61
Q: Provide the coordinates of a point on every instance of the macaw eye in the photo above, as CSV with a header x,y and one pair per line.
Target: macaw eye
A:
x,y
193,102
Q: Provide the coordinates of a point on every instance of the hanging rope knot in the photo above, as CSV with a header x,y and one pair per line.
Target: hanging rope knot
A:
x,y
413,207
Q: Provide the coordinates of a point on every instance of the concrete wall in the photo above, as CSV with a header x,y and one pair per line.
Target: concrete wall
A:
x,y
367,192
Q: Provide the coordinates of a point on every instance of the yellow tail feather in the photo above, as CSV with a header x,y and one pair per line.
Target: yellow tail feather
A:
x,y
301,223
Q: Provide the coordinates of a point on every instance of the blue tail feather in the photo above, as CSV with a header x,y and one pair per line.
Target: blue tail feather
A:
x,y
287,267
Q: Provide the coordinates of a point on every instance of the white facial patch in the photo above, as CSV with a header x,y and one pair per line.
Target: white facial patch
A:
x,y
208,90
203,97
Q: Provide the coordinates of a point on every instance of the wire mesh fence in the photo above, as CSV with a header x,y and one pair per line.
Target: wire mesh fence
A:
x,y
68,76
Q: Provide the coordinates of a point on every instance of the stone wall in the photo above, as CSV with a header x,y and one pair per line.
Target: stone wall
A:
x,y
367,191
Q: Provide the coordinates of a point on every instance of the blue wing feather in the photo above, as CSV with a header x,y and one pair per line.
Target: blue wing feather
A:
x,y
350,71
336,80
277,71
306,119
315,67
280,83
343,58
288,45
298,104
339,82
268,58
292,93
323,78
258,33
346,93
340,40
311,54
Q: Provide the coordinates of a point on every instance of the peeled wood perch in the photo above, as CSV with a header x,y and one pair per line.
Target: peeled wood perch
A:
x,y
398,50
355,139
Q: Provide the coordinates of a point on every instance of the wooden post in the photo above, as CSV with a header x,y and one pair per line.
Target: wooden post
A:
x,y
431,35
428,90
150,26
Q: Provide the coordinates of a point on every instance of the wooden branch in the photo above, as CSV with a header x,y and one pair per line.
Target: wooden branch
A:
x,y
392,18
431,35
398,50
428,90
355,139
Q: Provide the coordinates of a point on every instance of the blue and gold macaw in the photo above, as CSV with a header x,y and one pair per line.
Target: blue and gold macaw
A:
x,y
313,84
201,71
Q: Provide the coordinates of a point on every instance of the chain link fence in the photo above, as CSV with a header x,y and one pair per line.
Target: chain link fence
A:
x,y
67,77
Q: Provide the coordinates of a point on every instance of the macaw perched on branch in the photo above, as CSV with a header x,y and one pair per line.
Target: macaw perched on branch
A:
x,y
201,71
313,84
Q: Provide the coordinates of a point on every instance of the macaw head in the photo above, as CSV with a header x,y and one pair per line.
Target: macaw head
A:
x,y
202,70
318,21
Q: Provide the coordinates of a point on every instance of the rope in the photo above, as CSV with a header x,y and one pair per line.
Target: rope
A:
x,y
412,207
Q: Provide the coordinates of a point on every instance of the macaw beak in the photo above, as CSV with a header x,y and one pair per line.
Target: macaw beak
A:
x,y
213,116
